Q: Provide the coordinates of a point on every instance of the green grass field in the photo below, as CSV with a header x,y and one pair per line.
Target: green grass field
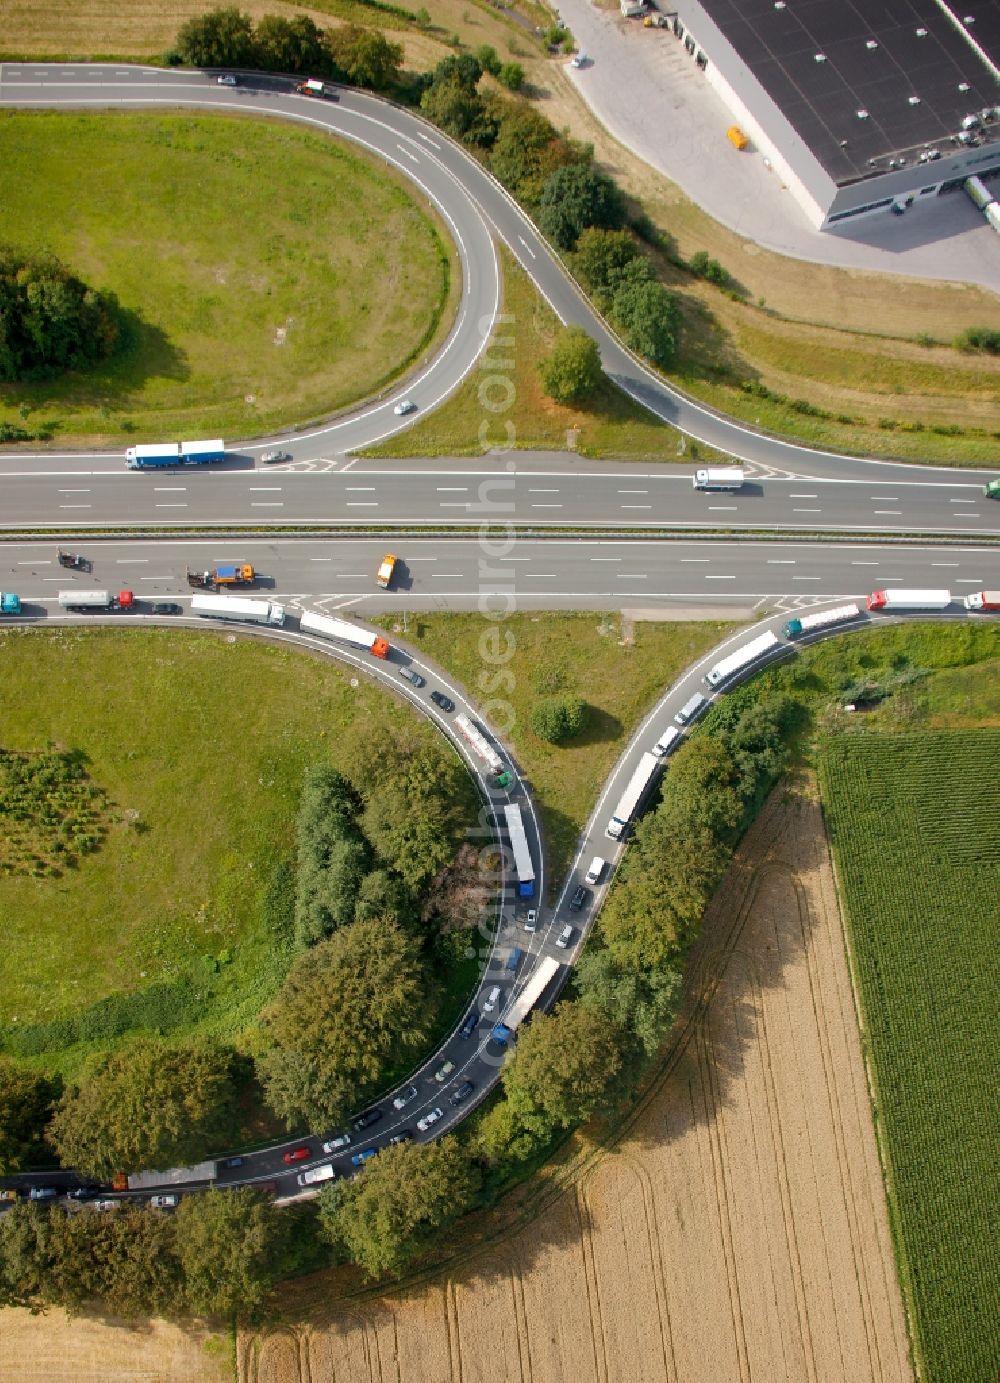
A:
x,y
268,274
609,425
201,744
580,654
913,822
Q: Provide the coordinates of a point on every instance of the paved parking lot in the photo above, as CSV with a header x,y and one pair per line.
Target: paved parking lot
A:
x,y
649,94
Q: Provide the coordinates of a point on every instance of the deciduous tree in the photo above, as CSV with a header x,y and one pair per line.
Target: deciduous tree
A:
x,y
564,1067
26,1101
572,370
145,1105
576,197
230,1246
221,38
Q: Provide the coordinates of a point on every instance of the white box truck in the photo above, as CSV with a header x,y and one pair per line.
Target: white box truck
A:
x,y
908,600
667,742
718,478
982,600
742,658
234,607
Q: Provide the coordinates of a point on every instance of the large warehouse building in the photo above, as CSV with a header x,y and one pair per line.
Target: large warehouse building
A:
x,y
862,106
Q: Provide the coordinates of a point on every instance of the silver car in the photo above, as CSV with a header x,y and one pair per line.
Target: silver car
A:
x,y
431,1117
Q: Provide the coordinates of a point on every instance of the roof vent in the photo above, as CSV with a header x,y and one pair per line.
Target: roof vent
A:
x,y
819,57
913,100
871,44
862,114
779,4
921,33
969,19
963,86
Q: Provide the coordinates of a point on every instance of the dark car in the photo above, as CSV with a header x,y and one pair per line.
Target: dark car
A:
x,y
470,1024
404,1136
229,1162
445,702
463,1092
297,1155
412,676
581,896
84,1193
363,1121
166,607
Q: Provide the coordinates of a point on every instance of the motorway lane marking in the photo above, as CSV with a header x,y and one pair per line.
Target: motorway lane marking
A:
x,y
968,581
635,506
403,150
76,506
719,578
551,491
632,575
781,561
454,503
171,506
73,492
449,574
723,506
808,511
451,489
633,492
961,501
265,489
593,559
944,564
321,559
882,511
864,564
41,562
267,504
966,515
427,139
526,246
352,488
891,499
534,506
803,496
362,504
169,489
132,561
806,578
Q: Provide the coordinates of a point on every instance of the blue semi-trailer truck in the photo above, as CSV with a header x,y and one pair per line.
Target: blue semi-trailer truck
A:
x,y
153,456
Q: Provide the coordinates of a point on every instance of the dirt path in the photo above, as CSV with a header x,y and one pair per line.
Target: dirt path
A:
x,y
738,1229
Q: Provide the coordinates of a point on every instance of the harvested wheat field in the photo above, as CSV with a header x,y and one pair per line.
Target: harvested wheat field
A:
x,y
737,1231
57,1348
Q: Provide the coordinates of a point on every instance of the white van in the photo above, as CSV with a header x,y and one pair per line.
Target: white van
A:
x,y
719,478
691,709
595,871
666,742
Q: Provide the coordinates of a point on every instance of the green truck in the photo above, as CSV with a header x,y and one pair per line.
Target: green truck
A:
x,y
992,489
10,604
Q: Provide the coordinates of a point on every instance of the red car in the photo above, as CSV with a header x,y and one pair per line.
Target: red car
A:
x,y
298,1154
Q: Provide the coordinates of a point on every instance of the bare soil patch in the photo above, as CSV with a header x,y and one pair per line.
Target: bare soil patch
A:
x,y
737,1229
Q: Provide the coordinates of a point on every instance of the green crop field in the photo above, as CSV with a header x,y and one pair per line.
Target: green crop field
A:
x,y
267,274
913,823
197,744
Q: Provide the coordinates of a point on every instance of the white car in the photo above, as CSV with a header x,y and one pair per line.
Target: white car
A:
x,y
227,80
273,457
564,937
342,1140
492,999
167,1202
431,1117
407,406
578,60
531,921
444,1072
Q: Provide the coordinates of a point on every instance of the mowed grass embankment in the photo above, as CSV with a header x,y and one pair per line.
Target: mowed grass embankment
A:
x,y
555,654
201,743
913,823
267,274
609,424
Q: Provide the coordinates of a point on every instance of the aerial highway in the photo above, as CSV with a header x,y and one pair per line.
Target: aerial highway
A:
x,y
533,491
790,489
475,208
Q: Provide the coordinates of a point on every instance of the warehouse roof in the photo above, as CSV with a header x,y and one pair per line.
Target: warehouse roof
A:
x,y
862,82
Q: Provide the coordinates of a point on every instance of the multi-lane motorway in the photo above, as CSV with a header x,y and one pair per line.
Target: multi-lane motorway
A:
x,y
60,492
790,490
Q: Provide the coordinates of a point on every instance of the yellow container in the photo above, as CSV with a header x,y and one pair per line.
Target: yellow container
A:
x,y
737,137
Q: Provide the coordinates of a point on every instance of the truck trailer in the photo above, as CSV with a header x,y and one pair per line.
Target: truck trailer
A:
x,y
82,601
718,478
523,867
480,745
176,1176
631,800
742,659
908,600
982,600
343,631
822,620
544,974
153,456
10,604
237,608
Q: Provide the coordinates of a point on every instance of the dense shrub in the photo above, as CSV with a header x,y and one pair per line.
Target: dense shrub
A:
x,y
576,197
50,321
572,369
558,718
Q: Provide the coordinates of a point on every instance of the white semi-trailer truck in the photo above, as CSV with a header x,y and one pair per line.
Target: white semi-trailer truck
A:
x,y
237,608
742,658
342,631
804,624
898,599
631,800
